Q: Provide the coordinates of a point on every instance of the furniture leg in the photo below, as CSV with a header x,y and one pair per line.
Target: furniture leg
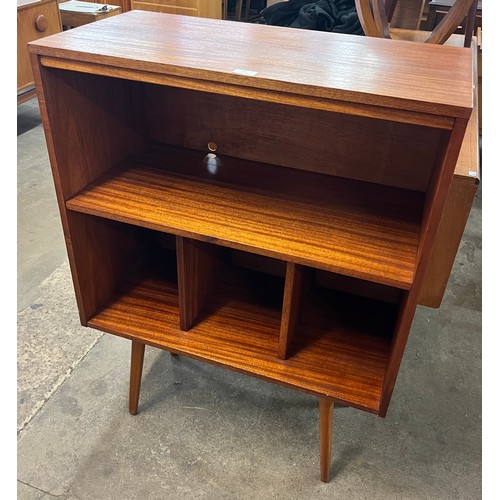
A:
x,y
469,23
136,362
325,437
237,10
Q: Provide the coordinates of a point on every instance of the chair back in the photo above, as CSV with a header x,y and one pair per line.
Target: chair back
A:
x,y
373,16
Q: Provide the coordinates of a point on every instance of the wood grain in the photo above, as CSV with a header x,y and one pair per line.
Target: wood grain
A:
x,y
325,437
458,205
357,229
298,281
366,19
456,213
231,89
435,203
198,267
380,16
27,31
239,330
450,22
75,18
136,363
87,126
388,74
100,253
199,8
303,138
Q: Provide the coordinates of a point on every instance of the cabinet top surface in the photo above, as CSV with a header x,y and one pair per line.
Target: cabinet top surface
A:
x,y
395,74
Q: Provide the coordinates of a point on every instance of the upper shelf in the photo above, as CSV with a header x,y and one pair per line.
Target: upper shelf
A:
x,y
269,61
354,228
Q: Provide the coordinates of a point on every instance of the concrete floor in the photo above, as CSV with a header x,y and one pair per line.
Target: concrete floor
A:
x,y
203,432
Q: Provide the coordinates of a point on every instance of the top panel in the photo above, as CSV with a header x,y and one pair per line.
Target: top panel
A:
x,y
401,75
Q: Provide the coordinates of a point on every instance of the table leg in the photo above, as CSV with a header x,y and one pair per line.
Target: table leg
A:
x,y
136,362
325,437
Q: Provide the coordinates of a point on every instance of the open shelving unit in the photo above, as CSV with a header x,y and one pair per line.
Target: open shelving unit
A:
x,y
269,219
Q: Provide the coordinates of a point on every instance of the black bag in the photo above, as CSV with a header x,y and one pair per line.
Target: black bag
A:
x,y
337,16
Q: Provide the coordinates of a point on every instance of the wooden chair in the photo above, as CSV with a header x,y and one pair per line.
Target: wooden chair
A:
x,y
239,8
375,15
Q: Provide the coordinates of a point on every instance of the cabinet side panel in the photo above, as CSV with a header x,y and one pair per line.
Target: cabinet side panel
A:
x,y
378,151
435,202
445,248
90,122
102,253
88,127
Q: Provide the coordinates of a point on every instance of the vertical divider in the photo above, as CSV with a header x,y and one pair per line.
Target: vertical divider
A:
x,y
198,267
298,281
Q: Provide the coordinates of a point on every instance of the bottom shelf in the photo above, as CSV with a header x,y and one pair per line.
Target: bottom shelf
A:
x,y
337,352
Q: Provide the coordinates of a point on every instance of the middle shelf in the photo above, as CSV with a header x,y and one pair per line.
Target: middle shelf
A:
x,y
350,227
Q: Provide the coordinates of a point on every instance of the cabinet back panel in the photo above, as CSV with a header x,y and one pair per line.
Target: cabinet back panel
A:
x,y
378,151
91,127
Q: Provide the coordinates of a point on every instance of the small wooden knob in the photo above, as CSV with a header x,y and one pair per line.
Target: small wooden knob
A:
x,y
41,23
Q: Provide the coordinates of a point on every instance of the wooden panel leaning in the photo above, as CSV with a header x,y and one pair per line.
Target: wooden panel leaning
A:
x,y
270,218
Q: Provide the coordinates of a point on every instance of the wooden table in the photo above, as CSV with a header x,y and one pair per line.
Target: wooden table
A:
x,y
76,13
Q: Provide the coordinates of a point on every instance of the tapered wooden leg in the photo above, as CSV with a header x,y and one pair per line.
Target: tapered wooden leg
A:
x,y
325,437
136,362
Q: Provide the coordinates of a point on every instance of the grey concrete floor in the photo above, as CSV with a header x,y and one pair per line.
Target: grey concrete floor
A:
x,y
203,432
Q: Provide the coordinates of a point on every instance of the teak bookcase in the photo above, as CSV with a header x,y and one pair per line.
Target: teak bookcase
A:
x,y
230,193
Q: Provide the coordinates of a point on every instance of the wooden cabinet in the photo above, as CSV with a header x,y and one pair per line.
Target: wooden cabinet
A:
x,y
76,13
35,19
124,4
199,8
266,216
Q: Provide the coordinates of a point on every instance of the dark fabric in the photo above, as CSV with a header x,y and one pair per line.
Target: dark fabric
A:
x,y
337,16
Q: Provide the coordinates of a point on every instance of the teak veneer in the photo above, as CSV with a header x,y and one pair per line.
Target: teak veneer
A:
x,y
271,215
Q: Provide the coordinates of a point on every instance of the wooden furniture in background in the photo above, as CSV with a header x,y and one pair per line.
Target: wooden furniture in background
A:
x,y
199,8
375,21
35,19
405,14
463,188
472,25
437,10
77,13
238,10
124,4
271,218
462,192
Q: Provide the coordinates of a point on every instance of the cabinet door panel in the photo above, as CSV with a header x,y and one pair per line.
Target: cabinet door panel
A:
x,y
204,8
33,22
